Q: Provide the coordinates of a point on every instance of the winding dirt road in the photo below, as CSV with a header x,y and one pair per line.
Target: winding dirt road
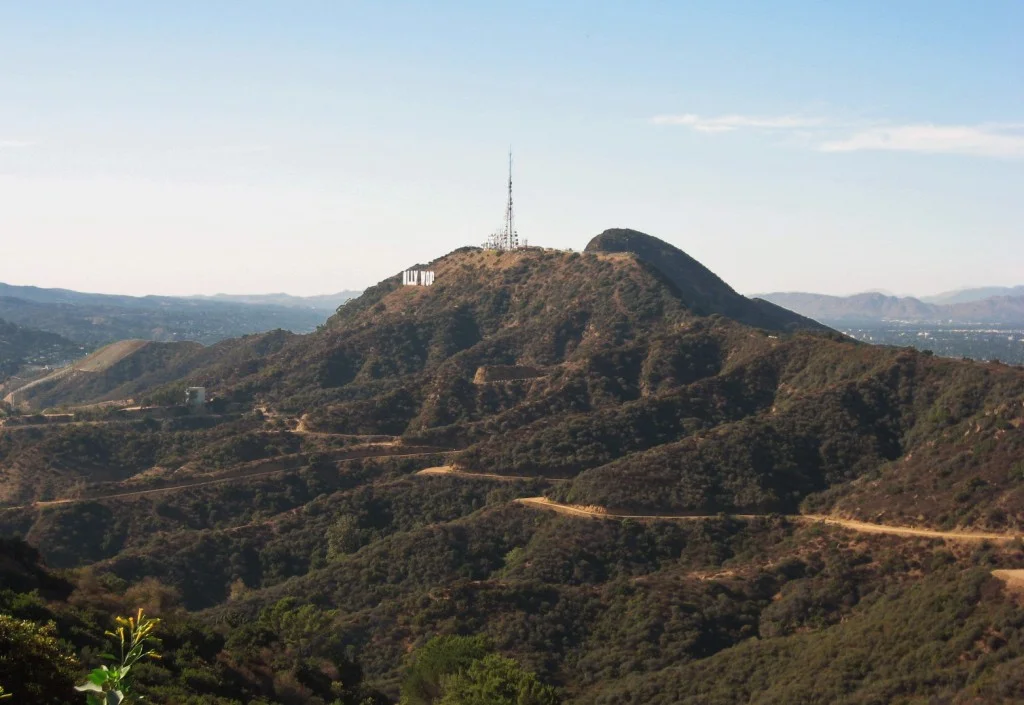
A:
x,y
453,471
851,524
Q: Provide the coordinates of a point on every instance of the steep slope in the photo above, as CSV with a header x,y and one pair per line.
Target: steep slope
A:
x,y
605,378
532,308
540,309
131,369
699,288
633,371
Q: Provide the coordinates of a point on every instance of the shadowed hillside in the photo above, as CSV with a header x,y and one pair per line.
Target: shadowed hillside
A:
x,y
630,369
21,346
626,379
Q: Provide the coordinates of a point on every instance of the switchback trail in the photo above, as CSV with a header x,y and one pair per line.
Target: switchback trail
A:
x,y
453,471
259,469
851,524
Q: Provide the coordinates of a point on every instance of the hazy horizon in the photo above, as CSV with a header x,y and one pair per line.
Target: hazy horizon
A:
x,y
360,289
196,149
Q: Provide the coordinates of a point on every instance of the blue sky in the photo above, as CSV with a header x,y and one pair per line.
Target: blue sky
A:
x,y
307,147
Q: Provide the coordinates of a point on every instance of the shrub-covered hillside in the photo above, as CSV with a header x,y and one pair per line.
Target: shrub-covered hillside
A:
x,y
309,557
21,345
633,370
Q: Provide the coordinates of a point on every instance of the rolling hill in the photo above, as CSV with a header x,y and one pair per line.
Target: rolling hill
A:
x,y
129,369
99,319
20,346
629,369
692,436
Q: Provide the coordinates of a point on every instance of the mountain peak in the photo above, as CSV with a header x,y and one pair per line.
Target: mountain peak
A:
x,y
700,289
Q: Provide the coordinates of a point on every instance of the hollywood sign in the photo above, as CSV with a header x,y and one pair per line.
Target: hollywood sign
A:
x,y
417,277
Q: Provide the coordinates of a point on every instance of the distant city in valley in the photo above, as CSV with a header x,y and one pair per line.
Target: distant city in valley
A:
x,y
981,324
987,343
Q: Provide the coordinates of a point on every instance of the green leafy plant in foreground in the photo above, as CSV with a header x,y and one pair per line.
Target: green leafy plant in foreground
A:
x,y
4,694
460,670
110,686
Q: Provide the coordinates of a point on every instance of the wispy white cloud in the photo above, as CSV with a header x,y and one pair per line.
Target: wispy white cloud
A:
x,y
14,144
728,123
992,140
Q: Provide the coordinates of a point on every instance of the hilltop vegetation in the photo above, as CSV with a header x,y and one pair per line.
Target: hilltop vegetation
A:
x,y
624,369
626,376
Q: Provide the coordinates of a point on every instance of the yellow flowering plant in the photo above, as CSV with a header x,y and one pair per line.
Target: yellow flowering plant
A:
x,y
110,686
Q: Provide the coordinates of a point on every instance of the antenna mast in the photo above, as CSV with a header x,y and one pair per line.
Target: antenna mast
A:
x,y
506,238
511,236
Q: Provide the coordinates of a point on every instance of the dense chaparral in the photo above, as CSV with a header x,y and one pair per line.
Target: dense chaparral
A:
x,y
295,552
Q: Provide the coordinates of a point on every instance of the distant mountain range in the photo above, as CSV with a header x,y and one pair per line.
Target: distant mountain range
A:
x,y
875,307
96,319
324,302
69,296
962,296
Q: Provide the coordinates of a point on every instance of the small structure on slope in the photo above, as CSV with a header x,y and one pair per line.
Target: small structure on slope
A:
x,y
195,399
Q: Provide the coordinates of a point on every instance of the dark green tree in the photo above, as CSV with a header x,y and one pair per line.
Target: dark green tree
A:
x,y
439,658
496,680
34,666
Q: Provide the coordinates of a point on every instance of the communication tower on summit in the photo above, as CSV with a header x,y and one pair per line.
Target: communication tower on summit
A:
x,y
507,238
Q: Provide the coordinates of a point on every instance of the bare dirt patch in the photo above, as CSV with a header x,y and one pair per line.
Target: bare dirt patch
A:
x,y
1014,579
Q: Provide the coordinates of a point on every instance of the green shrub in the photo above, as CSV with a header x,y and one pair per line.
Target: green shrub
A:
x,y
438,658
496,680
34,664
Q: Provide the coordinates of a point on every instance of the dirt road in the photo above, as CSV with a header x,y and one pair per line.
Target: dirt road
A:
x,y
854,525
451,470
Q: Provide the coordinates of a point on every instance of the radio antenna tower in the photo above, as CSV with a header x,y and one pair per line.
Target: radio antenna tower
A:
x,y
506,238
511,236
